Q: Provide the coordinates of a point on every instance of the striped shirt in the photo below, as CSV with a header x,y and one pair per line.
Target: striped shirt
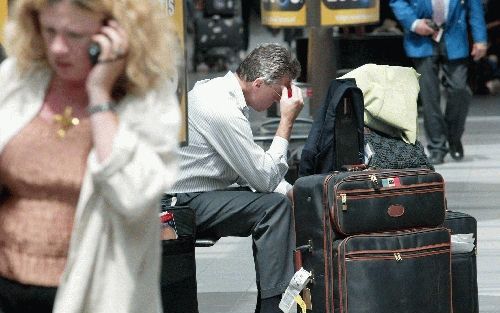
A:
x,y
221,150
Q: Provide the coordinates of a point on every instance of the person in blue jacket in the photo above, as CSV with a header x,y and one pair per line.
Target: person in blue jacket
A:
x,y
436,38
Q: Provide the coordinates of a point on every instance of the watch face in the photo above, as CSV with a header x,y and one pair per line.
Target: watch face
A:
x,y
283,5
348,4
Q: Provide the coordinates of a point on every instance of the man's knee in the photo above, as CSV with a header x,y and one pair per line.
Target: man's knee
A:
x,y
460,94
278,209
279,200
277,220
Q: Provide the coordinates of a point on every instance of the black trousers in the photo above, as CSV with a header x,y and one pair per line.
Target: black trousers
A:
x,y
448,127
16,297
267,217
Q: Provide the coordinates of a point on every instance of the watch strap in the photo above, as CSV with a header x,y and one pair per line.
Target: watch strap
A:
x,y
101,107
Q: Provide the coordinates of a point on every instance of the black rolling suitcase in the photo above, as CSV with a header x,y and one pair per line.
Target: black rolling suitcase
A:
x,y
333,209
178,268
406,271
463,264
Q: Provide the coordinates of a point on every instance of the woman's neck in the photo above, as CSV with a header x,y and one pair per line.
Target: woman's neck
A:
x,y
62,94
71,89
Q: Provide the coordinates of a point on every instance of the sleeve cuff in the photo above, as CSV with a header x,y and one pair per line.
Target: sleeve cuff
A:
x,y
283,187
123,147
414,25
279,146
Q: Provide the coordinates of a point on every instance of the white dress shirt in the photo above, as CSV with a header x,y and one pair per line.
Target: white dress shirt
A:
x,y
221,150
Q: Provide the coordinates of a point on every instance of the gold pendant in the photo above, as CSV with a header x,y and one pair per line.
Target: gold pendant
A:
x,y
65,121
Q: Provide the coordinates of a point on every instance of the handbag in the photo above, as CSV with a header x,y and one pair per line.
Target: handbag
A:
x,y
386,152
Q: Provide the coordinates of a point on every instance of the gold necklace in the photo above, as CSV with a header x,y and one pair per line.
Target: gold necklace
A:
x,y
65,121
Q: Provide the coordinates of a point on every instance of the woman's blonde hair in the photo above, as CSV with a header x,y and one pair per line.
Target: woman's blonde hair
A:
x,y
153,47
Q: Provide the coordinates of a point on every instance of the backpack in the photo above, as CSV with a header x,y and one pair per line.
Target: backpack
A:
x,y
337,136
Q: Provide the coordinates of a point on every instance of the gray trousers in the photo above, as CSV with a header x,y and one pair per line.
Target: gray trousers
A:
x,y
450,126
268,217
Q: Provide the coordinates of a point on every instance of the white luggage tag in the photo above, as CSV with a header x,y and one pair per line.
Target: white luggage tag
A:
x,y
291,295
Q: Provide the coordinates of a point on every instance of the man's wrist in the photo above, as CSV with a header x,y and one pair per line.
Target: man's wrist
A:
x,y
414,25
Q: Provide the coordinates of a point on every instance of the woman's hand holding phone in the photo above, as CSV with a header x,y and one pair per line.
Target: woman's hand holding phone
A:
x,y
94,51
108,50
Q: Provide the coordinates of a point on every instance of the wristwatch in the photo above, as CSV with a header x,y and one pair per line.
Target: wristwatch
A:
x,y
101,107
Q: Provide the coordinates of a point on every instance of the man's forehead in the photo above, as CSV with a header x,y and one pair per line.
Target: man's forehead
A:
x,y
285,81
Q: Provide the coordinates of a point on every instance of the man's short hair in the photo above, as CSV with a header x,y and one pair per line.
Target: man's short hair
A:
x,y
270,61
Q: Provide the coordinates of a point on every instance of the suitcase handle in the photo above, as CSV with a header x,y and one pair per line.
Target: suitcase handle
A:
x,y
297,254
297,259
354,167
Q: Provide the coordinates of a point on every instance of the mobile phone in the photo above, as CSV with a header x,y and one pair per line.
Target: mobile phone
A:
x,y
432,25
94,51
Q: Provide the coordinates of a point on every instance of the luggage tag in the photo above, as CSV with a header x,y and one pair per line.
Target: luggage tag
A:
x,y
291,295
462,243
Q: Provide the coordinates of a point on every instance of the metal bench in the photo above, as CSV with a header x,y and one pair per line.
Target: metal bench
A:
x,y
205,241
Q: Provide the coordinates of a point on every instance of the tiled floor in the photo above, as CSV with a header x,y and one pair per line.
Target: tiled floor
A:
x,y
234,302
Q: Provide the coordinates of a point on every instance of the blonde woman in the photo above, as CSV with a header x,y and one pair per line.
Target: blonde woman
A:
x,y
86,151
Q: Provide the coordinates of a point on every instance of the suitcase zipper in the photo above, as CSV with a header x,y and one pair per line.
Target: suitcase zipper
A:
x,y
398,255
367,175
387,192
343,196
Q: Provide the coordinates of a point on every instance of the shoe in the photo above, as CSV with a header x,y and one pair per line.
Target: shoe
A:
x,y
436,158
457,151
493,86
270,305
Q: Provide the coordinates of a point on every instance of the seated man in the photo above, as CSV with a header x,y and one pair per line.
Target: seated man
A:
x,y
222,152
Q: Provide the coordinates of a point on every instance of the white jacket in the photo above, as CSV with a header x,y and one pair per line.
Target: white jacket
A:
x,y
114,257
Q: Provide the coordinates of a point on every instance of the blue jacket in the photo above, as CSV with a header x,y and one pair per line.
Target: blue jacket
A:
x,y
455,33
